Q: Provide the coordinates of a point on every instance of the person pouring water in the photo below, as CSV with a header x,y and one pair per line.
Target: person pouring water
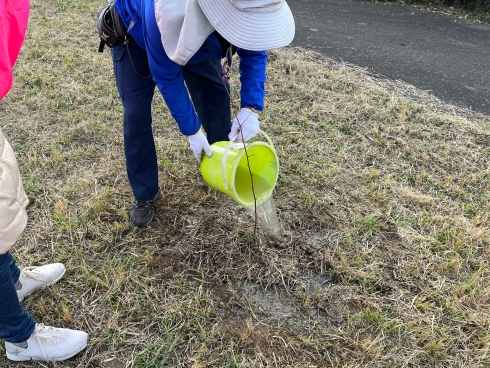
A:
x,y
177,45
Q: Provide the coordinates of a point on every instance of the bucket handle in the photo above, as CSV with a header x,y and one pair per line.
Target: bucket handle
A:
x,y
227,149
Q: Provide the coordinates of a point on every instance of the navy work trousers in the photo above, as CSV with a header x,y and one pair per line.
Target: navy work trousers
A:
x,y
208,94
16,325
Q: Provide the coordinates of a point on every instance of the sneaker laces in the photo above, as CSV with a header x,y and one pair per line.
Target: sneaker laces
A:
x,y
33,272
42,332
142,203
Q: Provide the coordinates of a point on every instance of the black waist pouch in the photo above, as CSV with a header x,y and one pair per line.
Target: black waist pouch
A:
x,y
110,27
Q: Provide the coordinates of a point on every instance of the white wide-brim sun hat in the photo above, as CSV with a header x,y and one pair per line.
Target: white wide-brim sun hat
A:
x,y
254,25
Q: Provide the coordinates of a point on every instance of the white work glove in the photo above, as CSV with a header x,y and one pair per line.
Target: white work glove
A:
x,y
249,122
199,143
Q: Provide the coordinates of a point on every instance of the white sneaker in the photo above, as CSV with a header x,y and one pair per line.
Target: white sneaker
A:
x,y
35,278
49,344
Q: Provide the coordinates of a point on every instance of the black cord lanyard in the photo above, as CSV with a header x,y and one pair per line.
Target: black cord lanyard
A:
x,y
126,42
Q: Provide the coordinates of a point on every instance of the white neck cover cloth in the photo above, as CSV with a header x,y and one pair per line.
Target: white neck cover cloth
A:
x,y
183,28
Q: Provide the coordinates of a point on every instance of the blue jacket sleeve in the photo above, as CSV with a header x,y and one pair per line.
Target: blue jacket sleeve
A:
x,y
168,75
252,78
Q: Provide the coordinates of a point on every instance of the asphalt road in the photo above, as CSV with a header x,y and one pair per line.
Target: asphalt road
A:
x,y
434,52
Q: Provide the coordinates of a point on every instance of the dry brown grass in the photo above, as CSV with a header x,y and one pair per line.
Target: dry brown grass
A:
x,y
385,203
476,10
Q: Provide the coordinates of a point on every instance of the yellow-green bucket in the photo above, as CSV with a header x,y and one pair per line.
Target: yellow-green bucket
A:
x,y
228,170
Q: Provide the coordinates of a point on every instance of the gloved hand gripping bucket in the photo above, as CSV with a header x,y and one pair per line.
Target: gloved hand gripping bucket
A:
x,y
227,170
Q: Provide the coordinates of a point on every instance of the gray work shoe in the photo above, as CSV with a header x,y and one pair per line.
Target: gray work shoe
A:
x,y
142,211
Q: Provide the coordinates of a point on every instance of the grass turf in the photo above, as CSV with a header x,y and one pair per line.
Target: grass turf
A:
x,y
383,195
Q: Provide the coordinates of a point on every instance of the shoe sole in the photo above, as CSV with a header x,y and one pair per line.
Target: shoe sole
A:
x,y
24,359
42,287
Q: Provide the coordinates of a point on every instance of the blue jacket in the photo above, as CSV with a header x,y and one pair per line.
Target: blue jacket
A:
x,y
139,18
